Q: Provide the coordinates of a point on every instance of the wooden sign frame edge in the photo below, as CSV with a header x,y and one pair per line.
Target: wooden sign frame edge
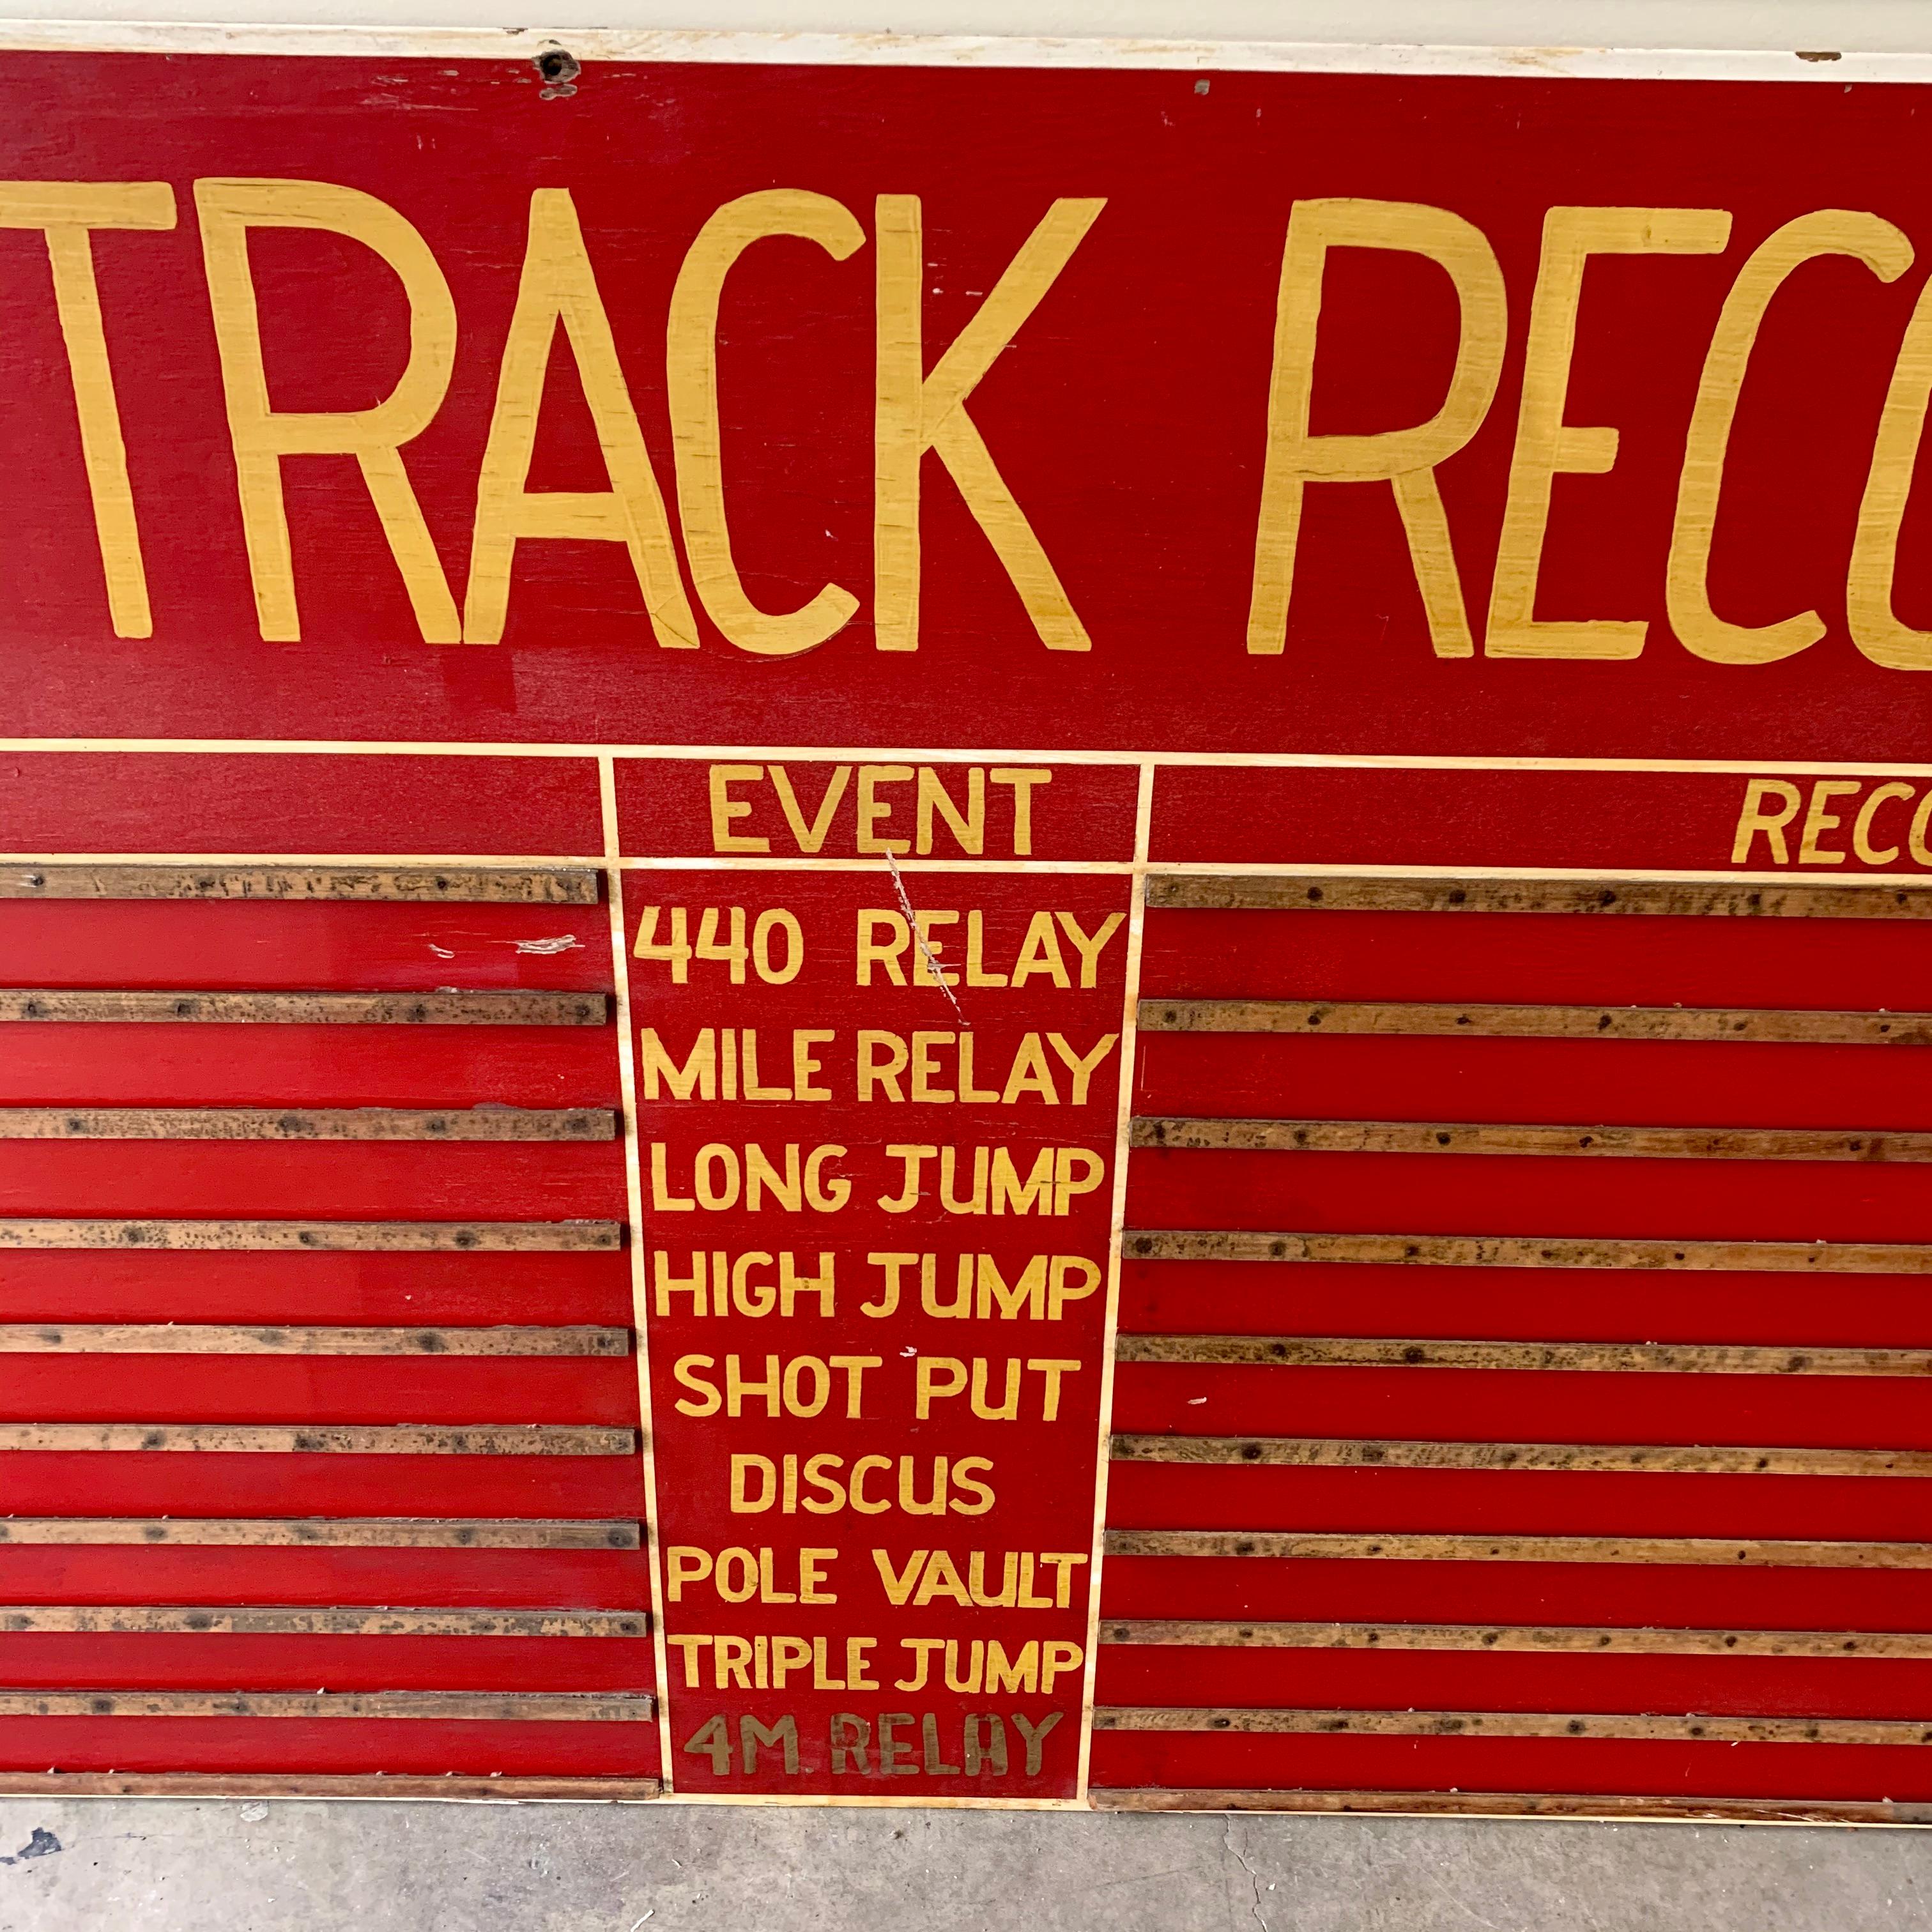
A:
x,y
953,51
520,45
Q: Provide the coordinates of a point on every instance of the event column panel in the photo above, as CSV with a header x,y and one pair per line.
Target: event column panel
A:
x,y
877,1029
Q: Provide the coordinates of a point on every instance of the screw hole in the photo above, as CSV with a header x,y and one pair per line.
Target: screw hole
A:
x,y
559,70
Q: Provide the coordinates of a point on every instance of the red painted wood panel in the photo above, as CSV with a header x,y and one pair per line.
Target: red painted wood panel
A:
x,y
1138,1674
504,1579
1605,1766
304,947
335,1066
425,1746
1585,1082
1128,416
1526,1304
1554,958
117,1661
318,1388
70,802
1458,1405
424,805
270,1179
1498,1502
369,1290
1628,1594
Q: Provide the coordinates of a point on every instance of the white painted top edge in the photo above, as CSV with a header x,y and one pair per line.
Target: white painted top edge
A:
x,y
1827,63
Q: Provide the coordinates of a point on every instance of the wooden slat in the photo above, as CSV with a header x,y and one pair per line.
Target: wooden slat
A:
x,y
1271,1136
1311,1452
413,1237
188,1338
327,1439
307,1123
320,1532
1535,1251
1512,1724
1694,899
452,885
279,1620
1350,1546
527,1707
1416,1017
515,1007
1353,1352
1514,1804
1564,1638
58,1784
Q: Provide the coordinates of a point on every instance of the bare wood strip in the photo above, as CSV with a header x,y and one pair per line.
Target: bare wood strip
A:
x,y
1340,1351
1307,1452
544,1707
412,884
1518,1804
278,1620
1790,1026
306,1123
322,1784
1562,1638
1533,1251
1330,1545
187,1338
496,1008
321,1236
1683,899
1513,1724
277,1439
320,1532
1426,1137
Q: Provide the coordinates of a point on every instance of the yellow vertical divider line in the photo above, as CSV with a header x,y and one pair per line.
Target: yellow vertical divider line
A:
x,y
1122,1126
634,1184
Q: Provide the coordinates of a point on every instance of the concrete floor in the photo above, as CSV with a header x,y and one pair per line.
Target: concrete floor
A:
x,y
183,1867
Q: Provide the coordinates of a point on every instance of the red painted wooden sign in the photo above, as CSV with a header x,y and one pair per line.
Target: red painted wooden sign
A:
x,y
890,933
